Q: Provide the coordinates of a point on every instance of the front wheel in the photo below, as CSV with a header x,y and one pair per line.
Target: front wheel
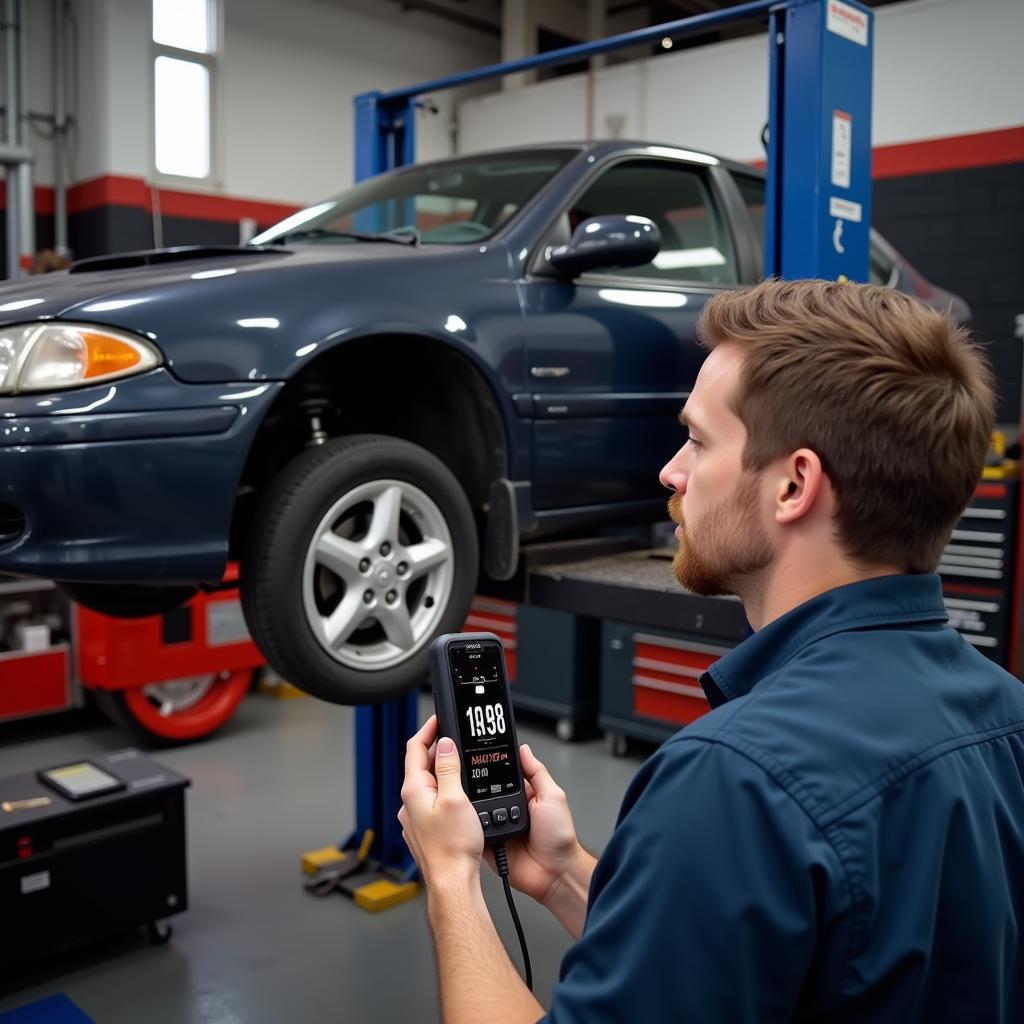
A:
x,y
362,550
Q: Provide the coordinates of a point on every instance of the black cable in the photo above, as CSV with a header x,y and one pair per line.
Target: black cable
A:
x,y
501,860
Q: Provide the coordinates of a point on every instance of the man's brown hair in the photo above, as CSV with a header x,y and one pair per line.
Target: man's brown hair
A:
x,y
894,398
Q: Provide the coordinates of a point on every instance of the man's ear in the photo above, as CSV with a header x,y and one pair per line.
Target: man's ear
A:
x,y
799,486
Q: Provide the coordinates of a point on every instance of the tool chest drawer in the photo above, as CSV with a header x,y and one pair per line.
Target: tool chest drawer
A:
x,y
650,680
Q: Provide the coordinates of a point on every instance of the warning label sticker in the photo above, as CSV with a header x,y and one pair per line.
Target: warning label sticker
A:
x,y
842,132
847,21
844,209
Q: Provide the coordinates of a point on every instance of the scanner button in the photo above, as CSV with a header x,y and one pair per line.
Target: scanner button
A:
x,y
485,819
500,816
514,813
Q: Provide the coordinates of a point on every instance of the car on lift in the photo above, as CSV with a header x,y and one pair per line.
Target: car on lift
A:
x,y
380,394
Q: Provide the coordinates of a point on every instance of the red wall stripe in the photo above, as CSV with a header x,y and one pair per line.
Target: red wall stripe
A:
x,y
927,156
952,153
117,190
43,197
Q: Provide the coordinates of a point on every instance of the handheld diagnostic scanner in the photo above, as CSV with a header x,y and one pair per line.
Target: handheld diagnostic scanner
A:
x,y
471,698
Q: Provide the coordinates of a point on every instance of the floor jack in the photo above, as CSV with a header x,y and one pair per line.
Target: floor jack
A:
x,y
373,866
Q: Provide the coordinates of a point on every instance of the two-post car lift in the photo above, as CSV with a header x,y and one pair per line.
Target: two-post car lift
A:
x,y
818,217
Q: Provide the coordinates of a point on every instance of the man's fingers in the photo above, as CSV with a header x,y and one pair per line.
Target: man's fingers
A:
x,y
537,775
418,773
448,769
422,739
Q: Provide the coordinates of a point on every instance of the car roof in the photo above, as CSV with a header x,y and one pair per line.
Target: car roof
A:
x,y
600,148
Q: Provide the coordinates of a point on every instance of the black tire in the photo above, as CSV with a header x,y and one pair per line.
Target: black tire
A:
x,y
275,573
127,601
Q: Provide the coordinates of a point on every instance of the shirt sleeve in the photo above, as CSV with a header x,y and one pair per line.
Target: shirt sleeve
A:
x,y
707,903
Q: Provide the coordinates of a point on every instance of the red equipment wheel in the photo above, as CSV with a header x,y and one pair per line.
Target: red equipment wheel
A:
x,y
176,710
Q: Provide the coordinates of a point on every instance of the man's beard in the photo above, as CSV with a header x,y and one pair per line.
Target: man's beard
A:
x,y
725,546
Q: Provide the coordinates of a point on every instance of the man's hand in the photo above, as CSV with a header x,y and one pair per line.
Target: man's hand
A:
x,y
549,864
438,821
478,981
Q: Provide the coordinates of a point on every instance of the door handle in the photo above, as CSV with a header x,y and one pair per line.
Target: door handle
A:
x,y
549,371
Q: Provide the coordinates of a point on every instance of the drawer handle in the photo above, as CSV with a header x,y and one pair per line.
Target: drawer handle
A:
x,y
679,689
668,667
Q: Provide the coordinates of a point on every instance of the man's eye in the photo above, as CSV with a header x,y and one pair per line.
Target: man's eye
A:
x,y
691,440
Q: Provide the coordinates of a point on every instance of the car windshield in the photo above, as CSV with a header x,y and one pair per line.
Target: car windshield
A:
x,y
456,202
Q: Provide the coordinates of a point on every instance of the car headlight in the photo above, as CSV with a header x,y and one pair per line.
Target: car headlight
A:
x,y
54,356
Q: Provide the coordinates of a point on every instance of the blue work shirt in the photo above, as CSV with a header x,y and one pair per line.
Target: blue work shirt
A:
x,y
841,839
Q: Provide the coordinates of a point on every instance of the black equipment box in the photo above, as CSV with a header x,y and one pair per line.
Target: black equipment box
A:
x,y
72,871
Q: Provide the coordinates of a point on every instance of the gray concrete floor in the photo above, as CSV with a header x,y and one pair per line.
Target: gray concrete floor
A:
x,y
253,947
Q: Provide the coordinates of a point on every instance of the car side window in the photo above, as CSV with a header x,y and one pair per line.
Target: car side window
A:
x,y
695,243
881,268
752,190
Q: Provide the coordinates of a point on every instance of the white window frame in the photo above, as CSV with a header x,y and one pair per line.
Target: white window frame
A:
x,y
209,60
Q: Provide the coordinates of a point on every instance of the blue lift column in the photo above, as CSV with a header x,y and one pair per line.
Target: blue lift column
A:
x,y
819,140
384,139
818,216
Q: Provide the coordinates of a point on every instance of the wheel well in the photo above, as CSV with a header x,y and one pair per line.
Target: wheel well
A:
x,y
405,386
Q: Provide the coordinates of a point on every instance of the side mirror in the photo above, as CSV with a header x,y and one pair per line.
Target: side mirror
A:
x,y
612,241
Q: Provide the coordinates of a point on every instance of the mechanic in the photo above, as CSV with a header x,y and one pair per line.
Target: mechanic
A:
x,y
842,836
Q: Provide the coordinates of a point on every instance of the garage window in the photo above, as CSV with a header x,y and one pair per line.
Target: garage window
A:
x,y
184,67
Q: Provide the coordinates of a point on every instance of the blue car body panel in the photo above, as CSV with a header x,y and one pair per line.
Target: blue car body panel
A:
x,y
139,475
137,481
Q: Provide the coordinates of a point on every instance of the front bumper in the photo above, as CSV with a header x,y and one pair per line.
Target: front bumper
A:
x,y
127,482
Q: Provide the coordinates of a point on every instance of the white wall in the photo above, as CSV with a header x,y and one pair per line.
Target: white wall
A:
x,y
942,67
289,71
287,75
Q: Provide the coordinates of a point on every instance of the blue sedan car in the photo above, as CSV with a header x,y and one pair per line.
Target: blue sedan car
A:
x,y
385,394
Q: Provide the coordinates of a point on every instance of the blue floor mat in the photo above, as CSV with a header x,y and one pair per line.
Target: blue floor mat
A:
x,y
52,1010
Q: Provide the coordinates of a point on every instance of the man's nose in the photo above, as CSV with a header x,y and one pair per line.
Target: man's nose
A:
x,y
673,475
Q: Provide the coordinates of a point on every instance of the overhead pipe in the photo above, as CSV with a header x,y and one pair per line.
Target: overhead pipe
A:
x,y
11,146
26,195
60,197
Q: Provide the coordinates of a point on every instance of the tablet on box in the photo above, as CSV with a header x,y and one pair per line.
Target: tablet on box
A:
x,y
80,780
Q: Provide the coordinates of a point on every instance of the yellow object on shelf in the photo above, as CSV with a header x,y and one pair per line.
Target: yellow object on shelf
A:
x,y
1008,470
1000,467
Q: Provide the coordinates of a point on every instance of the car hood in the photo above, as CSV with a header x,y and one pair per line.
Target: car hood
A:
x,y
95,288
250,314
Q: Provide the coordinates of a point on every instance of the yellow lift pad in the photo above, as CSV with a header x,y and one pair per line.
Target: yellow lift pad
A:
x,y
384,893
366,882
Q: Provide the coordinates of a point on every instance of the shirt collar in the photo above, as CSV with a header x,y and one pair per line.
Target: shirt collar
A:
x,y
882,601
